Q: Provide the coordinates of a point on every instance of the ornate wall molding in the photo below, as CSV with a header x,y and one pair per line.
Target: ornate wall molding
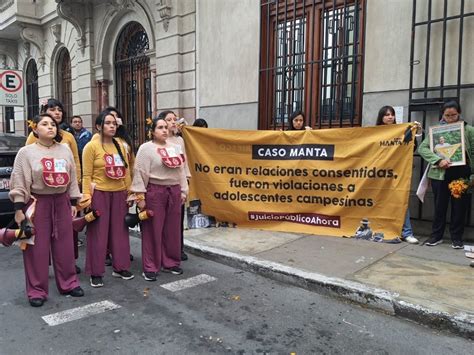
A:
x,y
9,51
3,61
75,12
31,35
56,31
164,8
121,4
5,4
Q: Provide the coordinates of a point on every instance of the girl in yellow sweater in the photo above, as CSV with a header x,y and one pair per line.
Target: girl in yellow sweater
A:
x,y
106,179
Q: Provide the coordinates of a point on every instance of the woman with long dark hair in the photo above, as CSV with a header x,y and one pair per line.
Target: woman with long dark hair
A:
x,y
441,173
386,117
106,180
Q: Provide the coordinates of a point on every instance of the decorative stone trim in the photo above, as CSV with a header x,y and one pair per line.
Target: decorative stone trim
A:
x,y
56,31
5,4
121,4
35,36
164,8
75,12
3,61
8,51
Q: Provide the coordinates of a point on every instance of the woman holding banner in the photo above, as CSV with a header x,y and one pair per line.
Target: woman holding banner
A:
x,y
441,173
159,184
297,122
44,173
385,117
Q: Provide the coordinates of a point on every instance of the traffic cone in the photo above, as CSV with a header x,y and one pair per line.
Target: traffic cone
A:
x,y
132,219
79,223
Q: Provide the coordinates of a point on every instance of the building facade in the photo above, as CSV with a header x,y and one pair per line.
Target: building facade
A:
x,y
241,64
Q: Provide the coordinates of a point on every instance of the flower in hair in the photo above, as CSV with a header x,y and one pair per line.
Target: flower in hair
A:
x,y
31,124
43,102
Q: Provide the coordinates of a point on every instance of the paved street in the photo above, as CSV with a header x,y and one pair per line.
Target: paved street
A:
x,y
215,309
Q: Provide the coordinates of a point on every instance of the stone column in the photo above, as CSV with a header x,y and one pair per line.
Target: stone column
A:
x,y
102,94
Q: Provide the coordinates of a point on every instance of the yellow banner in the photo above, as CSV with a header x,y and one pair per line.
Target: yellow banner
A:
x,y
319,182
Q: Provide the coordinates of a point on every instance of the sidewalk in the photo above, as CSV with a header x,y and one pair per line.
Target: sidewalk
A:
x,y
430,285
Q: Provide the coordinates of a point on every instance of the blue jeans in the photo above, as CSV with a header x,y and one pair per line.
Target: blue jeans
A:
x,y
406,229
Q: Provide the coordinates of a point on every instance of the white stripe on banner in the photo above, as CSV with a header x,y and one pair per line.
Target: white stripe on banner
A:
x,y
79,312
187,283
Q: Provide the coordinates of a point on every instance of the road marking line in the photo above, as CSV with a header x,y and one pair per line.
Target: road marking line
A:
x,y
187,283
79,312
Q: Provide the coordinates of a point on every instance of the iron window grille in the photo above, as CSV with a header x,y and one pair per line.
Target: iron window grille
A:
x,y
32,97
133,81
64,82
311,58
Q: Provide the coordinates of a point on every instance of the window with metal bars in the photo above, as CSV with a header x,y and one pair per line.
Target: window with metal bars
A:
x,y
64,82
9,119
32,98
311,60
133,81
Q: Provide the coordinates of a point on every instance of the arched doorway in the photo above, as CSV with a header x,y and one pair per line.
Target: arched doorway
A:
x,y
32,97
64,82
133,82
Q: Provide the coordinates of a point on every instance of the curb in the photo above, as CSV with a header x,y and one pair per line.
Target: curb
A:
x,y
367,296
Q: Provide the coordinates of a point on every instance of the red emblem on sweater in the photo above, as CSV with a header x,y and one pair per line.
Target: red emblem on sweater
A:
x,y
114,166
55,172
170,157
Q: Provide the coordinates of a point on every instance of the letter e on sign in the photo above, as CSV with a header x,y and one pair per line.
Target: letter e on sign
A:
x,y
11,88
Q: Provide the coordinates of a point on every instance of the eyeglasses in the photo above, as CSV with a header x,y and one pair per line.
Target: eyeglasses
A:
x,y
452,115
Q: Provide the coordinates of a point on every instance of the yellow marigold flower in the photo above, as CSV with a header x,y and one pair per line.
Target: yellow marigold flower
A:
x,y
31,124
458,187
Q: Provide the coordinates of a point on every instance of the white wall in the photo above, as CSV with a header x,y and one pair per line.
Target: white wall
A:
x,y
387,45
228,61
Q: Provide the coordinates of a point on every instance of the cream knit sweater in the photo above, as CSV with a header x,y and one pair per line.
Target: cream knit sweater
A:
x,y
149,168
27,179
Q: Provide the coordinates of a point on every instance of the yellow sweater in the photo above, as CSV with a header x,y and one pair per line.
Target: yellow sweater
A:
x,y
70,141
128,149
93,168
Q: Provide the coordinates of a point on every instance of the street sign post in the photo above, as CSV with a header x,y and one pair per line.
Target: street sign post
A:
x,y
11,88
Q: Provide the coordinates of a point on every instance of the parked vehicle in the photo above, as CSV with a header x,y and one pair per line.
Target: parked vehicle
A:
x,y
9,146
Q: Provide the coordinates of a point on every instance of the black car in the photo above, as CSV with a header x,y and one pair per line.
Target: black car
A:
x,y
9,146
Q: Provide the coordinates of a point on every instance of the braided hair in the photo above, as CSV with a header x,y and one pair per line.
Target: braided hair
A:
x,y
101,119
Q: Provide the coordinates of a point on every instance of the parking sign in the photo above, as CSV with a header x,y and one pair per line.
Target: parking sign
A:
x,y
11,88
